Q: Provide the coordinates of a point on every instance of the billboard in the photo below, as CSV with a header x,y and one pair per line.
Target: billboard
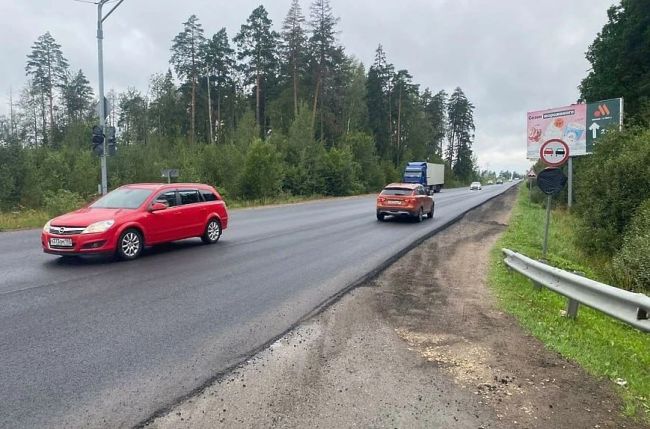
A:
x,y
601,117
564,123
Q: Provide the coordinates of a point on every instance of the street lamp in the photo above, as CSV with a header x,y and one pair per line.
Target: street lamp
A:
x,y
100,67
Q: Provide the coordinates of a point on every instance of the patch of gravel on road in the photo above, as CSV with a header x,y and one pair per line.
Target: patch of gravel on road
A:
x,y
423,345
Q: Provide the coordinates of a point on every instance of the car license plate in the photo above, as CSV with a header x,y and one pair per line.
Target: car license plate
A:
x,y
61,242
395,202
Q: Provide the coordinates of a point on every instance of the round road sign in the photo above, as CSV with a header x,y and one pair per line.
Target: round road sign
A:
x,y
554,152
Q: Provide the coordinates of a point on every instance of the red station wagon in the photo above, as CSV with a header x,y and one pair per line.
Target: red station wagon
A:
x,y
125,220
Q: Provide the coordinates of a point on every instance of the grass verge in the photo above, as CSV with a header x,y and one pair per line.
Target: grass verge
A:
x,y
23,219
602,345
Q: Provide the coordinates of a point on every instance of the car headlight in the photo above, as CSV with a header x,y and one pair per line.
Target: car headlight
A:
x,y
46,228
98,226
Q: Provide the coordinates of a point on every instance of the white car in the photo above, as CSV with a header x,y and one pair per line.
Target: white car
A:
x,y
475,185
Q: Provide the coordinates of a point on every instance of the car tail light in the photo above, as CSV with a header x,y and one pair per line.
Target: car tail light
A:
x,y
381,200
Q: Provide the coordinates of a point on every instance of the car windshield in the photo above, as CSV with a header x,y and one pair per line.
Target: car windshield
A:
x,y
123,198
397,191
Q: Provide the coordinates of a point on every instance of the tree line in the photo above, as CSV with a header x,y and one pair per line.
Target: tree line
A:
x,y
259,114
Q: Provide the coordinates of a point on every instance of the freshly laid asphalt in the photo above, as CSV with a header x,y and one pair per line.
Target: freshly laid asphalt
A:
x,y
96,343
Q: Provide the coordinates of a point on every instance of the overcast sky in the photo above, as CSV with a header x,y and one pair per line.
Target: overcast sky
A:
x,y
508,56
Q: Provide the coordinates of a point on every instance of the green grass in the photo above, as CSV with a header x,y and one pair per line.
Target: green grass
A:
x,y
602,345
238,204
23,219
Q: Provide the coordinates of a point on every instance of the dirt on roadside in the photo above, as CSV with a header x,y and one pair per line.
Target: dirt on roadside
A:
x,y
423,345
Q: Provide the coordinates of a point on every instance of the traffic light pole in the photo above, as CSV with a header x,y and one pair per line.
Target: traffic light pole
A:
x,y
100,67
102,106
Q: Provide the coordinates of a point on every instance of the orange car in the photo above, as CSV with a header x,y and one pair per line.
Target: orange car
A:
x,y
404,199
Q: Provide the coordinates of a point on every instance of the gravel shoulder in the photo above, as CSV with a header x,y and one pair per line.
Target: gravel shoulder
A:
x,y
422,345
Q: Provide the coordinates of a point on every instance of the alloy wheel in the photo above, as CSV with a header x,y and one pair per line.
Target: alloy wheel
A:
x,y
214,230
130,244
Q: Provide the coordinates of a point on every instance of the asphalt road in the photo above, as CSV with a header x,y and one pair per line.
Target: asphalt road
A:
x,y
96,343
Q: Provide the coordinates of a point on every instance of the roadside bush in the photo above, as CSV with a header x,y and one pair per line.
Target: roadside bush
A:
x,y
263,172
341,173
632,262
391,174
610,186
363,150
12,162
63,201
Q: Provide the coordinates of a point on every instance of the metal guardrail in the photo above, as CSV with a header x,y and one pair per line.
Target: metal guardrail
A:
x,y
629,307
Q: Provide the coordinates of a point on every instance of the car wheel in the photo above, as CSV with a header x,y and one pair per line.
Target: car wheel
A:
x,y
430,214
212,232
130,245
381,217
420,215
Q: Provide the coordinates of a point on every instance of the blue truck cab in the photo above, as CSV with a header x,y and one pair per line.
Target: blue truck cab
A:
x,y
431,176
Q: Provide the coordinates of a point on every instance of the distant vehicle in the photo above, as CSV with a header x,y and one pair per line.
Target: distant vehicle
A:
x,y
475,186
499,181
490,182
405,200
131,217
431,176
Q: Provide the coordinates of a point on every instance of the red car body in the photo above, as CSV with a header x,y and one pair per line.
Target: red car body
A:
x,y
167,212
404,199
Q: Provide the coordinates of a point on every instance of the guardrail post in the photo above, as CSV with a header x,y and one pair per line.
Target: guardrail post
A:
x,y
572,308
641,314
536,286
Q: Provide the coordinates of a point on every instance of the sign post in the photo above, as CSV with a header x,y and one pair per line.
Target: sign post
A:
x,y
169,173
570,188
531,177
551,181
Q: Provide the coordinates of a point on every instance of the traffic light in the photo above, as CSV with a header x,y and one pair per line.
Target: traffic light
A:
x,y
110,141
98,140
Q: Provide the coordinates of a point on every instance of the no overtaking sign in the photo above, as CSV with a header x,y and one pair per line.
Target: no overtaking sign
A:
x,y
554,152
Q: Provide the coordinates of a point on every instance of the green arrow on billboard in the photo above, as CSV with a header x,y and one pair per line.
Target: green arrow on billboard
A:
x,y
601,117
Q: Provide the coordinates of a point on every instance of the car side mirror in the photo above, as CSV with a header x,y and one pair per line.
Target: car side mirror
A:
x,y
156,207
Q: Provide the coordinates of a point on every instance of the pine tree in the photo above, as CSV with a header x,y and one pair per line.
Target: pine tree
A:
x,y
326,56
257,44
378,96
30,105
460,135
164,107
293,47
435,107
47,67
220,62
133,118
355,113
187,61
403,92
77,96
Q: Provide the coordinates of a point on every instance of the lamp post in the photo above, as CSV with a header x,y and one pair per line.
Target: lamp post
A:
x,y
100,68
